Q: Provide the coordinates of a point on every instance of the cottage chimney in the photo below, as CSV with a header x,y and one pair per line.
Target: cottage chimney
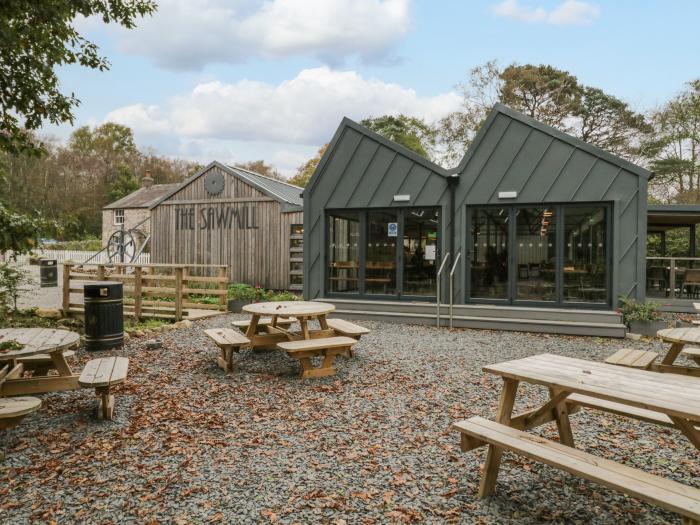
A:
x,y
147,181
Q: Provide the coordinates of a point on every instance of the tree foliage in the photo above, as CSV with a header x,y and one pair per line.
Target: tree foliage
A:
x,y
18,232
411,132
306,170
549,95
674,147
37,38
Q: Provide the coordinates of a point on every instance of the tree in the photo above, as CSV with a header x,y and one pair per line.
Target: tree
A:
x,y
674,150
125,183
412,133
259,167
306,170
18,232
37,39
549,95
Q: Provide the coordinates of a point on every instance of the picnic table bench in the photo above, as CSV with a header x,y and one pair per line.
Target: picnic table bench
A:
x,y
228,341
668,399
679,339
632,358
326,347
102,374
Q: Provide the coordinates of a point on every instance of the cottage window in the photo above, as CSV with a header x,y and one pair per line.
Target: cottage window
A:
x,y
118,217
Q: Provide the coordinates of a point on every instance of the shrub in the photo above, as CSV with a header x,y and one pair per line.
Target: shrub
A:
x,y
633,311
241,292
284,296
13,282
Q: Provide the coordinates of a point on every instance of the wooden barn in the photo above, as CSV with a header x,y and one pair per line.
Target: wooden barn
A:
x,y
228,215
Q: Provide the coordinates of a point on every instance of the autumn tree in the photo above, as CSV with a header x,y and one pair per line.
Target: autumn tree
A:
x,y
411,132
37,39
306,170
261,168
674,150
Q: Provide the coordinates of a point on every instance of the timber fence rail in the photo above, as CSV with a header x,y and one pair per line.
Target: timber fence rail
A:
x,y
161,291
77,256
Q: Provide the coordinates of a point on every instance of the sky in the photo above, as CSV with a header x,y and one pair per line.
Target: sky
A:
x,y
240,80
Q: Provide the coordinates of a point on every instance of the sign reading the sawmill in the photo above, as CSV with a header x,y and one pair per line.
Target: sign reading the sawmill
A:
x,y
216,218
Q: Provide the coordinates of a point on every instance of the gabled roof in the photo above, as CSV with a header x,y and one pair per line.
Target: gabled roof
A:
x,y
454,172
287,194
553,132
143,197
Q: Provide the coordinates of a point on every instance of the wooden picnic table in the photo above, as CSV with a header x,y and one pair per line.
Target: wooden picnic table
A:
x,y
679,338
36,341
303,311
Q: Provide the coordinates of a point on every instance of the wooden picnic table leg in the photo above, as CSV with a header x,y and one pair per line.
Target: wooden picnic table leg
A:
x,y
561,416
105,409
60,363
322,321
274,321
303,321
672,354
252,327
493,456
688,430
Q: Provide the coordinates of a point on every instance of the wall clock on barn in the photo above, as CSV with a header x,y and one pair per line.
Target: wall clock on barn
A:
x,y
214,183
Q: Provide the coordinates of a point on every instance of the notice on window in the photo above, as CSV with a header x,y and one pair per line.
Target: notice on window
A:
x,y
393,229
430,252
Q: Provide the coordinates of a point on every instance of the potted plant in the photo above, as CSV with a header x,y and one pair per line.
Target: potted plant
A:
x,y
641,318
239,295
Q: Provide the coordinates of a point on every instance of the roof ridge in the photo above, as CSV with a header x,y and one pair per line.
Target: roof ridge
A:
x,y
266,177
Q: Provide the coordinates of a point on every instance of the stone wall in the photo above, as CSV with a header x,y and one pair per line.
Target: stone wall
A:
x,y
131,218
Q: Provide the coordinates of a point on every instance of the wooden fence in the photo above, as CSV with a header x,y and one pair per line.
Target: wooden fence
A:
x,y
163,291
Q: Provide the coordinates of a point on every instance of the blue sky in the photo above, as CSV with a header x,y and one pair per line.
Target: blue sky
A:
x,y
238,80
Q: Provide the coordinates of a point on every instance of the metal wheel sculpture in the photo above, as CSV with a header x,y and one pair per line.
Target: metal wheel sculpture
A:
x,y
122,247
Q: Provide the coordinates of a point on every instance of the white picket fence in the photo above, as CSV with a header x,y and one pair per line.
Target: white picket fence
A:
x,y
75,256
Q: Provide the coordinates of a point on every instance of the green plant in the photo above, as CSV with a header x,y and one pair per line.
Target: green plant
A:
x,y
10,345
13,282
632,310
284,296
242,292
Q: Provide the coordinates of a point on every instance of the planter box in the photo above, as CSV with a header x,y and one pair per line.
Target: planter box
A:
x,y
648,328
236,305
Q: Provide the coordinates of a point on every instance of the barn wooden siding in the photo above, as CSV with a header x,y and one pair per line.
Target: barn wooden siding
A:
x,y
254,256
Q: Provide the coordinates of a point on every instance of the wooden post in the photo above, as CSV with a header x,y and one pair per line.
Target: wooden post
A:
x,y
137,292
178,293
67,267
222,286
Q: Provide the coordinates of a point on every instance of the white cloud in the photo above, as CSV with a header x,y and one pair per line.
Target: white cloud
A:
x,y
188,34
304,110
569,12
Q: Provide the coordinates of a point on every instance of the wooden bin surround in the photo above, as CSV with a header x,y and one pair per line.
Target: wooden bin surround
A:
x,y
146,284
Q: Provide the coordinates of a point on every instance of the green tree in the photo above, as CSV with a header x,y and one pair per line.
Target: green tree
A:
x,y
37,39
18,232
674,149
306,170
412,133
125,183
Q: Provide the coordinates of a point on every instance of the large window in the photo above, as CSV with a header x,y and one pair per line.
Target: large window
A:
x,y
383,252
557,254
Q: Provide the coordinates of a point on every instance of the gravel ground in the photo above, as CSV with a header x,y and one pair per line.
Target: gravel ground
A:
x,y
191,444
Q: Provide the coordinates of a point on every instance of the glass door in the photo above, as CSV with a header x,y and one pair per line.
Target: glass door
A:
x,y
489,253
420,251
381,252
585,255
535,254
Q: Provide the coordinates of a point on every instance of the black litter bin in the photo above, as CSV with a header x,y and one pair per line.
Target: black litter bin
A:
x,y
104,315
48,273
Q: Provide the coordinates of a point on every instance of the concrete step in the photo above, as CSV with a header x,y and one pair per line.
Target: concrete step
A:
x,y
471,310
492,323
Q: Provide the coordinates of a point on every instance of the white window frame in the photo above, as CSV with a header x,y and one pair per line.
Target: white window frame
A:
x,y
119,217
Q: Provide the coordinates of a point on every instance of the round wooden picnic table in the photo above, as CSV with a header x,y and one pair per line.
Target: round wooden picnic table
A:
x,y
36,341
678,337
302,310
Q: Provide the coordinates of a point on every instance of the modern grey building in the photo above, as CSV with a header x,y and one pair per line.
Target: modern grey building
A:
x,y
532,224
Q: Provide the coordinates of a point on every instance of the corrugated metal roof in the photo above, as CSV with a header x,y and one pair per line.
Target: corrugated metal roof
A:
x,y
143,197
276,188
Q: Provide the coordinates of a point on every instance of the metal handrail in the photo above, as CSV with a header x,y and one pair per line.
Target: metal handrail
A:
x,y
452,272
437,294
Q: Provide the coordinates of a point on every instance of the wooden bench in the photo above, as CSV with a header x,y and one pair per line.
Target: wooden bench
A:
x,y
228,341
692,352
575,401
348,329
13,409
327,347
632,358
283,322
102,374
665,493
